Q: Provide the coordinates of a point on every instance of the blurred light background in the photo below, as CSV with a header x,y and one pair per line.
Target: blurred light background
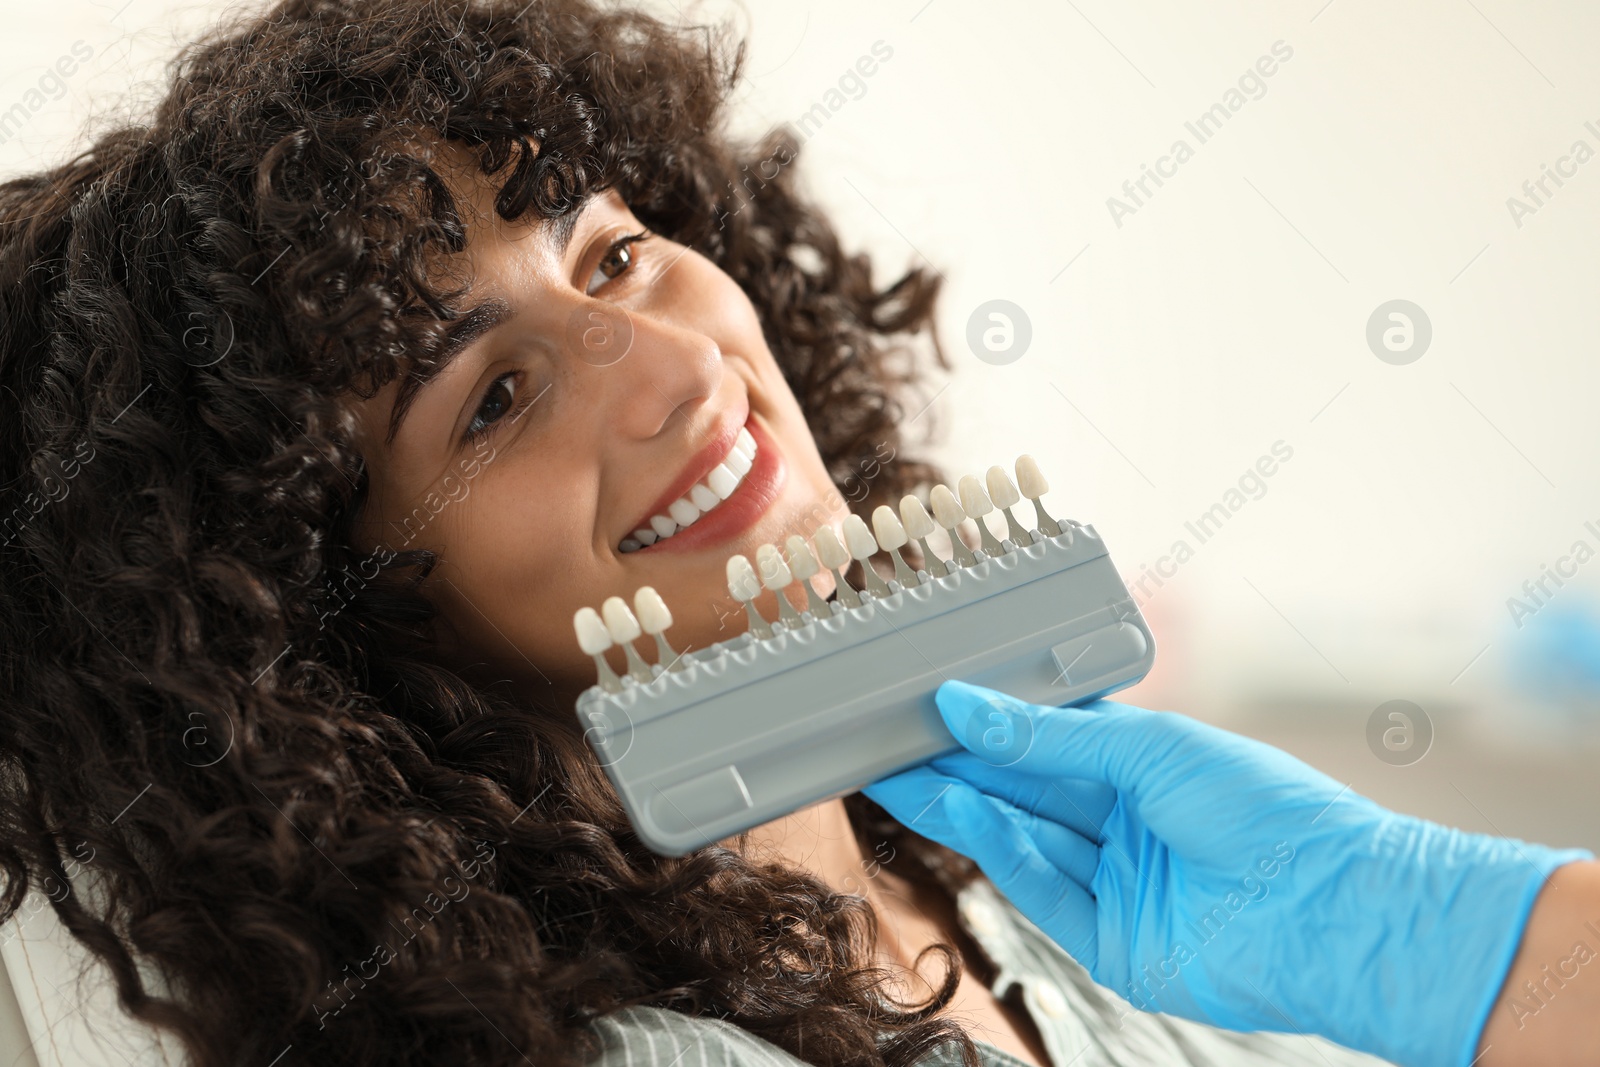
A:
x,y
1177,339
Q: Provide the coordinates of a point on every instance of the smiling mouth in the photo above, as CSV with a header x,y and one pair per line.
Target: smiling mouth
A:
x,y
702,498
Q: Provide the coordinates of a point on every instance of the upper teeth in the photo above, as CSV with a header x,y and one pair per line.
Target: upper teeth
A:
x,y
704,495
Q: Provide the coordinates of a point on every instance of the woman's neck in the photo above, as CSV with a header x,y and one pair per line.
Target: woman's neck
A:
x,y
819,839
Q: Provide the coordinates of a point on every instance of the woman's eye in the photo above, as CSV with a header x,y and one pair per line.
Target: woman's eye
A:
x,y
617,260
497,400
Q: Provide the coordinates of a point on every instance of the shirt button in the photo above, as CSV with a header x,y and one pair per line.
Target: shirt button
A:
x,y
980,917
1051,1002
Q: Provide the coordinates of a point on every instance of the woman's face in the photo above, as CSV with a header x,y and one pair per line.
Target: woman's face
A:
x,y
603,380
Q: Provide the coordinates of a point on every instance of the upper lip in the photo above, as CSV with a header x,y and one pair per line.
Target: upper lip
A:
x,y
718,442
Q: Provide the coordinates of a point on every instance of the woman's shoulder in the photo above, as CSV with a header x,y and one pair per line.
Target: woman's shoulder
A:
x,y
645,1036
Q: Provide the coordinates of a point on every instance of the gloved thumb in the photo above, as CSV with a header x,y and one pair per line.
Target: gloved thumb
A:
x,y
1101,742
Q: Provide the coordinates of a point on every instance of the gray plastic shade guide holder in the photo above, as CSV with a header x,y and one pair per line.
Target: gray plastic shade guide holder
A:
x,y
752,730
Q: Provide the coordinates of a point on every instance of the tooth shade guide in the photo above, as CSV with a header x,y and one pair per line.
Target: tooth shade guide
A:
x,y
812,713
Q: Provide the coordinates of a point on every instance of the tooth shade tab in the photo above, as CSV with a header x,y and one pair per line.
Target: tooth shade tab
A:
x,y
1001,489
919,524
946,510
858,538
974,501
830,553
619,620
774,571
1033,487
742,581
949,514
886,526
914,517
892,536
654,615
1030,481
722,481
593,636
802,564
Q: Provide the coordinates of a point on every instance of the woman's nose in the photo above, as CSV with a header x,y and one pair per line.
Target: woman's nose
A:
x,y
640,369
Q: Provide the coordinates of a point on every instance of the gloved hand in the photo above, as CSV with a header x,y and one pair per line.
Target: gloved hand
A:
x,y
1207,875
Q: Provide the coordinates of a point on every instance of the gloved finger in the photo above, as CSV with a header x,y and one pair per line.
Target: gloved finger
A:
x,y
916,798
1107,742
1056,904
920,799
1074,802
1074,855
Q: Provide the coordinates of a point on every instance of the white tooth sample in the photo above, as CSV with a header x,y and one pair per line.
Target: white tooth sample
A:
x,y
886,527
742,580
775,576
624,631
663,526
738,463
775,572
629,545
1029,479
1001,489
948,514
975,502
645,536
619,620
834,556
946,510
745,443
1033,487
655,619
722,481
703,498
654,616
857,538
892,536
683,512
1004,494
914,517
594,638
803,565
860,541
745,586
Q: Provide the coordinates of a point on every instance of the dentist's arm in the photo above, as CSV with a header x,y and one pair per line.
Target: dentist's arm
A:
x,y
1203,874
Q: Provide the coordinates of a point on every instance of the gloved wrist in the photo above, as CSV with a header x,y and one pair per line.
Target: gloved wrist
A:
x,y
1457,904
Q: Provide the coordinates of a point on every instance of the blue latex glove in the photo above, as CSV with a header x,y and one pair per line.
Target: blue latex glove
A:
x,y
1210,876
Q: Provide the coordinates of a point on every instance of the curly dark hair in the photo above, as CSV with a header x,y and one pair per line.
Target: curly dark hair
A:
x,y
272,774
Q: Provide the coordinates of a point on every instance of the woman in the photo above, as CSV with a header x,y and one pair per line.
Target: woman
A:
x,y
336,389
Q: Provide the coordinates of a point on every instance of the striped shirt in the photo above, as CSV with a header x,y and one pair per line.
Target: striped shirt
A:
x,y
1082,1024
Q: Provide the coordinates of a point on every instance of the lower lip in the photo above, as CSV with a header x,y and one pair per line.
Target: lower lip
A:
x,y
761,485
